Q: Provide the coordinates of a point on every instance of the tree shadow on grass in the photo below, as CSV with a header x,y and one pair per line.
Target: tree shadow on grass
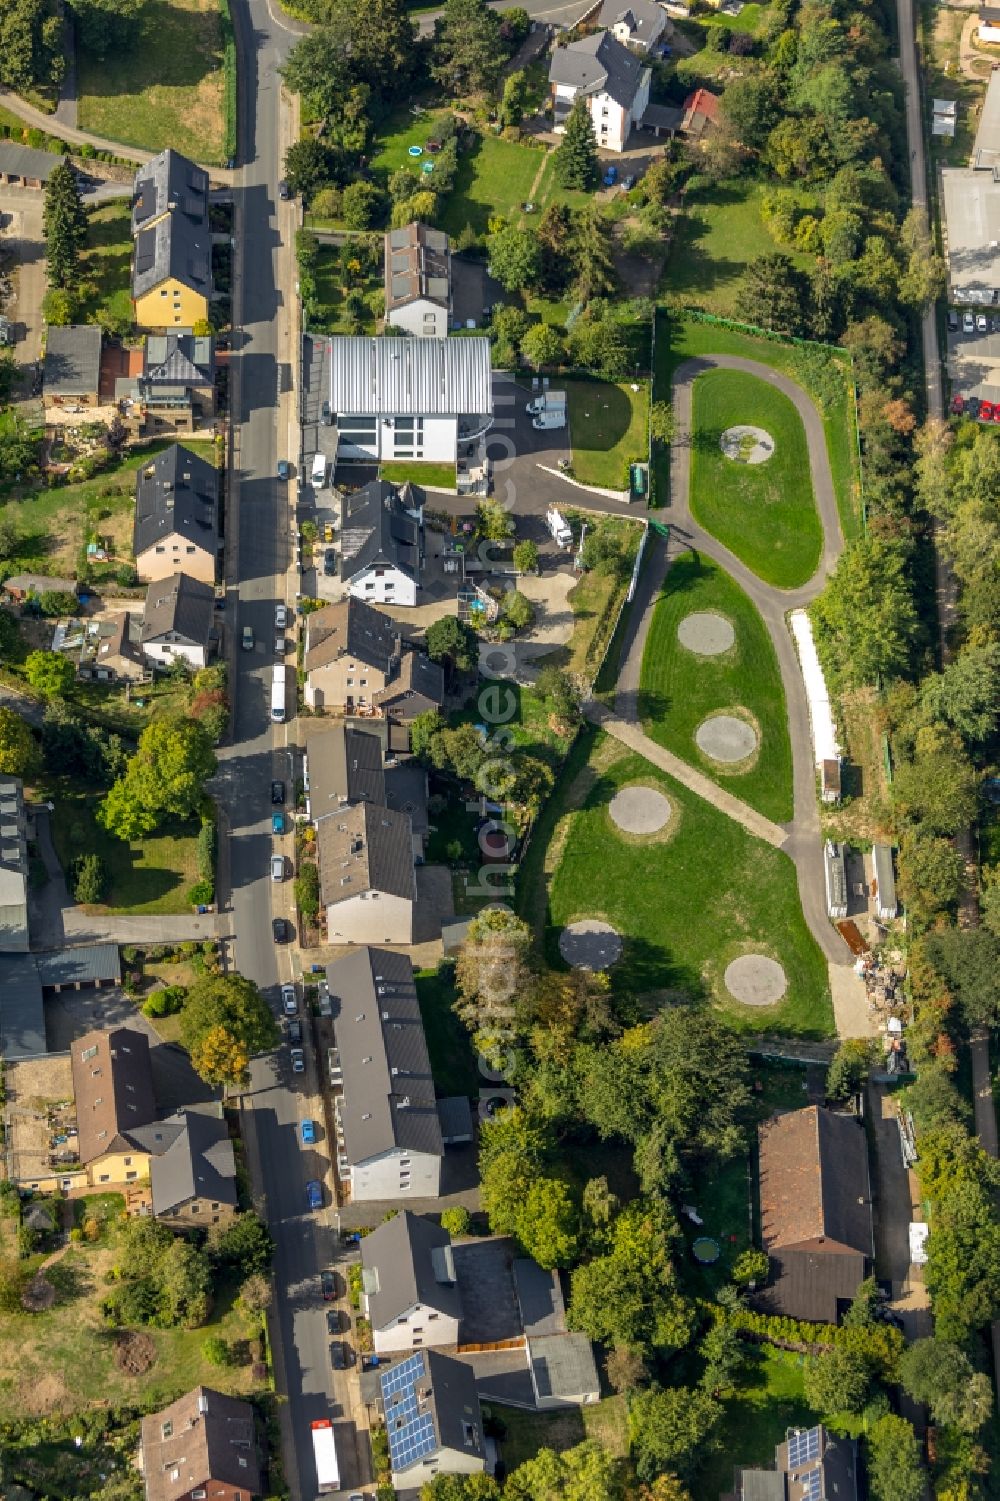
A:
x,y
607,412
71,1278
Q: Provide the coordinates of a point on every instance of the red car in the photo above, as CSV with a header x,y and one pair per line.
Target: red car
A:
x,y
958,404
996,411
986,411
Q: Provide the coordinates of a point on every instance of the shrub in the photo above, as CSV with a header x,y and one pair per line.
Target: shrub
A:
x,y
307,892
201,893
216,1351
90,879
457,1221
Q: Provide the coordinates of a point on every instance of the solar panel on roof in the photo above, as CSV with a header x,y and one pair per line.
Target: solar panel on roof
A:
x,y
410,1431
802,1447
813,1485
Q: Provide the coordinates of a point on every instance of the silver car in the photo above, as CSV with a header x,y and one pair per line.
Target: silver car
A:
x,y
298,1058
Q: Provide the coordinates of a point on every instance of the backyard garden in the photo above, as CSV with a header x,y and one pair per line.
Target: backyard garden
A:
x,y
608,426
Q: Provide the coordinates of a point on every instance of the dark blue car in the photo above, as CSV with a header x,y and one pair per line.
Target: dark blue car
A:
x,y
314,1194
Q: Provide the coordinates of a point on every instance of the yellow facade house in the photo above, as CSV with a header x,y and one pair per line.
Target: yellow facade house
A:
x,y
113,1090
172,254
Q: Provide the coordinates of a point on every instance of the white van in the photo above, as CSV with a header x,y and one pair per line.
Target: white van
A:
x,y
318,475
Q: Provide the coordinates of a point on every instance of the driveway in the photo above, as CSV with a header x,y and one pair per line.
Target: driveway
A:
x,y
21,212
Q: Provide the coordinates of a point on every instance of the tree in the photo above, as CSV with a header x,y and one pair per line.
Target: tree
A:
x,y
525,556
49,674
457,1220
931,874
219,1058
894,1469
968,959
18,752
548,1223
467,55
362,204
865,615
542,346
518,610
939,1374
215,1350
311,164
183,1283
751,106
837,1381
592,255
515,257
255,1294
494,521
319,67
723,1353
450,638
849,1070
18,451
966,694
601,345
493,971
224,1011
382,44
164,780
586,1472
669,1429
556,685
460,1488
575,163
105,26
90,879
246,1244
514,100
630,1295
65,225
937,786
772,295
750,1266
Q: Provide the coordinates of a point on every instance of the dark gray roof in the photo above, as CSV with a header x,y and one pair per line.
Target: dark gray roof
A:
x,y
406,792
345,766
417,266
416,687
40,583
563,1368
198,1164
178,609
597,64
811,1465
26,161
378,531
354,627
406,1261
388,1099
455,1116
643,19
539,1298
13,867
82,965
365,848
442,1388
410,377
664,116
176,492
174,247
22,1014
169,182
72,364
178,360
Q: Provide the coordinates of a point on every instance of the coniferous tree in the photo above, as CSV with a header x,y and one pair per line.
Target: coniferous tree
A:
x,y
65,223
576,164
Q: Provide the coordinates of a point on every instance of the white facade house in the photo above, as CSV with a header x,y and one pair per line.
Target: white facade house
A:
x,y
414,399
382,544
613,81
432,1419
388,1134
409,1286
177,621
634,23
366,872
418,281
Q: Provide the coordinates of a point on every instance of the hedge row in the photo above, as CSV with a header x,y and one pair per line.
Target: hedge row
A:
x,y
229,83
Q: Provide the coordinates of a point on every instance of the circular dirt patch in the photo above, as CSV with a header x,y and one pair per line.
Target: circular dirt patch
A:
x,y
640,810
38,1295
705,633
747,445
590,944
755,980
134,1353
725,738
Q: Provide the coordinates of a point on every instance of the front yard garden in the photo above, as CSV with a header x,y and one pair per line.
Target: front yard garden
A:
x,y
679,688
145,877
608,429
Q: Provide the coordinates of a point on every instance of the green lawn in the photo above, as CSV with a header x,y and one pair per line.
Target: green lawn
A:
x,y
718,234
332,318
453,1060
679,689
430,476
147,877
527,1432
164,90
826,376
769,1400
686,905
104,264
764,513
608,428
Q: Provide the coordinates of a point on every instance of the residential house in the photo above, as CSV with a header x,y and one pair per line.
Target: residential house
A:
x,y
367,882
611,79
177,623
71,370
172,257
113,1089
193,1176
350,653
634,23
203,1447
988,29
421,400
343,766
816,1213
409,1286
418,280
176,516
117,656
389,1136
174,390
13,868
700,114
810,1465
382,544
432,1419
416,688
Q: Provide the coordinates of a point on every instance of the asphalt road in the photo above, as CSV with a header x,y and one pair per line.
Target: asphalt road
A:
x,y
258,549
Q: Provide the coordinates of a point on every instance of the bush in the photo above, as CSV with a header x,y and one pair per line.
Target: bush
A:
x,y
457,1221
216,1351
362,204
89,877
307,892
206,847
201,893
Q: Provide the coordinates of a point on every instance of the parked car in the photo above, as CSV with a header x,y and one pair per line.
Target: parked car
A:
x,y
986,411
968,323
277,867
278,793
279,646
314,1194
325,415
277,823
284,469
328,1282
280,617
982,323
972,407
308,1130
611,176
284,191
952,320
280,930
289,1000
295,1031
333,1321
248,638
298,1058
329,562
628,183
338,1355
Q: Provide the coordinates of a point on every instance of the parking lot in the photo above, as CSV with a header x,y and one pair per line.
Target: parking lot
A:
x,y
974,362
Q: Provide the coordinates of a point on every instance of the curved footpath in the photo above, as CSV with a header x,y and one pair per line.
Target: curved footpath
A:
x,y
801,839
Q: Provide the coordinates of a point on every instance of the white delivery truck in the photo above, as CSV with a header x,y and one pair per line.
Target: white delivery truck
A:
x,y
318,471
278,694
548,410
325,1452
559,527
